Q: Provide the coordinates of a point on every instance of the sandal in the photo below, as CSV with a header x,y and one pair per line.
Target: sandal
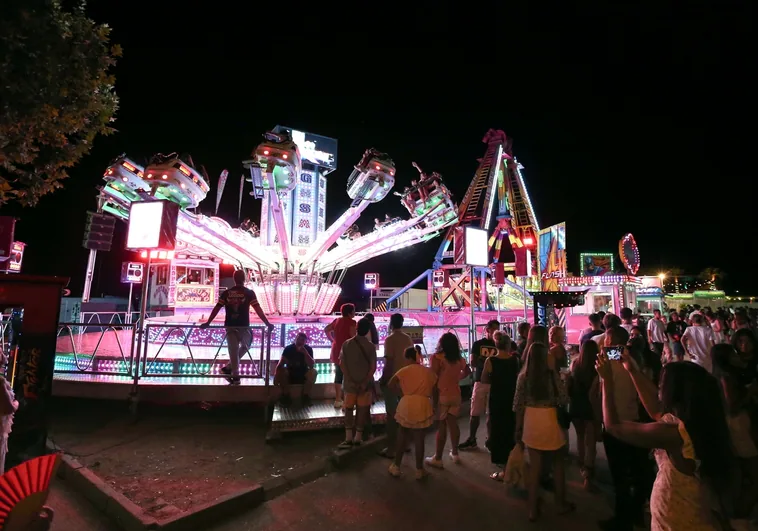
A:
x,y
497,476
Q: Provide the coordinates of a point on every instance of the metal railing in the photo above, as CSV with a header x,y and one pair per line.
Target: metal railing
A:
x,y
127,350
162,335
169,350
112,317
92,344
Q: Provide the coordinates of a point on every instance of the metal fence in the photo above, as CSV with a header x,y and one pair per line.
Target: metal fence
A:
x,y
161,338
188,350
157,351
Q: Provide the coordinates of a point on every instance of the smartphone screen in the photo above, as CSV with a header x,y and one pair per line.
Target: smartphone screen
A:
x,y
614,352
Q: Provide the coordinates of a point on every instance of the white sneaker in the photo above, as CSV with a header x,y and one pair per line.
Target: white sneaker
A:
x,y
434,462
455,457
421,473
338,404
394,470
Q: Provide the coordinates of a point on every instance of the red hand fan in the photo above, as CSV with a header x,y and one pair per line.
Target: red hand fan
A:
x,y
24,490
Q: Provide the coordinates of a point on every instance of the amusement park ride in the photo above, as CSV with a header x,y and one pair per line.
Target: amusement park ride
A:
x,y
497,181
294,263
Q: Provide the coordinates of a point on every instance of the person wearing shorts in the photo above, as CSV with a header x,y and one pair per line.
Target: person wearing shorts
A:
x,y
449,367
236,302
358,363
480,351
339,331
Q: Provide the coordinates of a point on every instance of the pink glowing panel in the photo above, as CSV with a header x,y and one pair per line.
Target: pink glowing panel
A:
x,y
315,332
285,295
307,299
331,299
321,298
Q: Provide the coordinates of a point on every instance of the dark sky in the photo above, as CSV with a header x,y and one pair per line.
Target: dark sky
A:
x,y
626,119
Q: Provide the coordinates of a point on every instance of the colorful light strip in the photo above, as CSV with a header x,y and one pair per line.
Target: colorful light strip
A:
x,y
601,280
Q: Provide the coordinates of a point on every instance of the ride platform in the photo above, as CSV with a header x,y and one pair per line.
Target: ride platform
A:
x,y
319,415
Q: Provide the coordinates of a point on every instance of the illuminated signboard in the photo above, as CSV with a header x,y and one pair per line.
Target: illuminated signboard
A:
x,y
592,264
316,149
131,272
15,258
152,225
552,256
476,247
371,280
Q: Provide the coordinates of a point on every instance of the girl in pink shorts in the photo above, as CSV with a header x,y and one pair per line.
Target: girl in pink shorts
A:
x,y
450,368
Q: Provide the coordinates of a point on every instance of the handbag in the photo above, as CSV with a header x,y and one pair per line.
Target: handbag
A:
x,y
515,469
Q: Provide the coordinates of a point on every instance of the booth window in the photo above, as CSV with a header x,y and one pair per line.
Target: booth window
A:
x,y
161,276
194,275
603,303
210,275
181,275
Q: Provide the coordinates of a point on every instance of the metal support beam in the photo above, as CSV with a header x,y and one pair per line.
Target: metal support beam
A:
x,y
408,286
429,290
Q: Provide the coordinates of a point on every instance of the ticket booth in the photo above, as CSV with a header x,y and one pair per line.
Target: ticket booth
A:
x,y
37,300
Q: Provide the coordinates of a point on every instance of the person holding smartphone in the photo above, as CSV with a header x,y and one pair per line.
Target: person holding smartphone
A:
x,y
627,463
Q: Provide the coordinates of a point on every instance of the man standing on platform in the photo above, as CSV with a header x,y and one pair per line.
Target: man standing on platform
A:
x,y
480,351
236,302
394,360
295,367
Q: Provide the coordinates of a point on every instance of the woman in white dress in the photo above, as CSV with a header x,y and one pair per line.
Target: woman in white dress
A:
x,y
689,436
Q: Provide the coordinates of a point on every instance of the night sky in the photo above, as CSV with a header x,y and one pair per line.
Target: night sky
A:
x,y
630,120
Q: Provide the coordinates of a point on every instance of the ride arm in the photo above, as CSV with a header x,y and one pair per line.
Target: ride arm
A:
x,y
333,233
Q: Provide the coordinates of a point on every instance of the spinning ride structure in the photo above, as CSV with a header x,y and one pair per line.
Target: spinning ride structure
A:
x,y
295,263
496,200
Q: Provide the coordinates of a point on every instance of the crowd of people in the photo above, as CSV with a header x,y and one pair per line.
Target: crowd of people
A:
x,y
673,400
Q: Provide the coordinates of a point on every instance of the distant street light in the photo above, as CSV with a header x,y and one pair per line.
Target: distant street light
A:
x,y
662,276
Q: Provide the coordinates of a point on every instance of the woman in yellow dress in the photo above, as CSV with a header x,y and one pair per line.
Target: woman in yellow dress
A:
x,y
414,411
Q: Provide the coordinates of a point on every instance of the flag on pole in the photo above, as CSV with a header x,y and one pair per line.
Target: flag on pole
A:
x,y
220,187
242,189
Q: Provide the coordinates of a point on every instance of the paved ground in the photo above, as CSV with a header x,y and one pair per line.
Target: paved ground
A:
x,y
366,498
173,459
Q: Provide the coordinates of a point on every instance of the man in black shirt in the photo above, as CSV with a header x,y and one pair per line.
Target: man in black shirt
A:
x,y
296,368
480,351
236,302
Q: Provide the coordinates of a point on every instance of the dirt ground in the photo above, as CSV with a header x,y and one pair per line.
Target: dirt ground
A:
x,y
171,459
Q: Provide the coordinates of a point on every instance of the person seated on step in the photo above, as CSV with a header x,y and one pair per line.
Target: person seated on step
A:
x,y
296,368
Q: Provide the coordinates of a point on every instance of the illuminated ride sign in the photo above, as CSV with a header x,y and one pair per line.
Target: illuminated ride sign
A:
x,y
476,247
152,225
604,280
593,264
630,254
316,149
